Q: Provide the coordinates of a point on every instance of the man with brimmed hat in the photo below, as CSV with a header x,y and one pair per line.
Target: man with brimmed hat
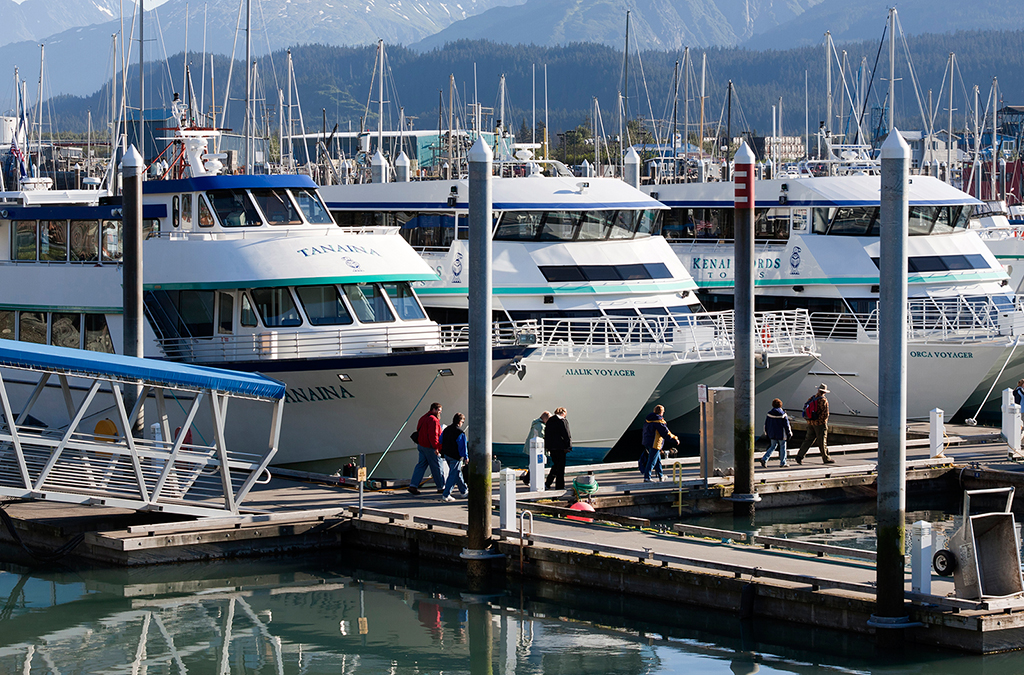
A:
x,y
816,416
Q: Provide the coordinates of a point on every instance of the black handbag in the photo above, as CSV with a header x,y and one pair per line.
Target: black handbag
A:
x,y
415,436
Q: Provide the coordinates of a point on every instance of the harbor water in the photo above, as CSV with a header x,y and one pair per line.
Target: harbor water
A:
x,y
329,615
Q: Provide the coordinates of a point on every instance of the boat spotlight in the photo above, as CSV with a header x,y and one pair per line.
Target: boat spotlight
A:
x,y
445,372
344,378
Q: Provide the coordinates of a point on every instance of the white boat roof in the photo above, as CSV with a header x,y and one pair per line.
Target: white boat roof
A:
x,y
531,193
824,191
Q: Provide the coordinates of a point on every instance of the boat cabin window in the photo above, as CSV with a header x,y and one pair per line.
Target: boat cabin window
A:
x,y
32,327
246,314
771,224
186,211
234,208
225,313
276,307
195,313
276,206
111,245
323,305
312,207
24,244
85,241
425,230
404,301
690,223
576,225
53,240
864,221
65,329
368,303
175,211
628,272
57,241
205,215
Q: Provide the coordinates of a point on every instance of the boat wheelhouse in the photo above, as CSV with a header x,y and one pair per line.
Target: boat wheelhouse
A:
x,y
817,249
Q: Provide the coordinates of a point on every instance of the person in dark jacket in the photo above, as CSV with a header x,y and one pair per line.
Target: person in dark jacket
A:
x,y
428,443
558,442
778,431
453,449
1018,393
656,437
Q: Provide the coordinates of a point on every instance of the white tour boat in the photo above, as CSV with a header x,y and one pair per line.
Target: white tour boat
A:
x,y
246,272
618,323
817,249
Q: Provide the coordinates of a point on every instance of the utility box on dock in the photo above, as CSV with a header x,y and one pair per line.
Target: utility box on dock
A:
x,y
717,417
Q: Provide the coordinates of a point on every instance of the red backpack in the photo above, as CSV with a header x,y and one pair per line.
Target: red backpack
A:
x,y
811,408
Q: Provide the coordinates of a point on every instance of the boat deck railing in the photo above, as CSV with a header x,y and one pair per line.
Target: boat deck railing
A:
x,y
703,336
955,319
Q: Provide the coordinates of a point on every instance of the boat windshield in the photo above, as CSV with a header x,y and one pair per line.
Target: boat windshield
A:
x,y
276,206
312,207
323,305
404,301
368,303
864,221
576,225
234,208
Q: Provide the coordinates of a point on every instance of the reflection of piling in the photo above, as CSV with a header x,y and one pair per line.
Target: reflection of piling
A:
x,y
480,158
892,388
131,226
481,637
743,429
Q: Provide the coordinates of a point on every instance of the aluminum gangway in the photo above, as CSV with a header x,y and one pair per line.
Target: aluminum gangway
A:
x,y
87,462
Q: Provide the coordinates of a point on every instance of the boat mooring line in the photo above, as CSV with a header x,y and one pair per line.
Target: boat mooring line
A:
x,y
973,421
834,372
399,433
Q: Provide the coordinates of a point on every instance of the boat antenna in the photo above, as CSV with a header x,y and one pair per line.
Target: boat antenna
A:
x,y
247,127
142,91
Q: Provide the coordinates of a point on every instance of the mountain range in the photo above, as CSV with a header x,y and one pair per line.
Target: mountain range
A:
x,y
80,30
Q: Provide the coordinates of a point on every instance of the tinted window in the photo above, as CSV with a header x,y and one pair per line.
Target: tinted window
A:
x,y
519,225
658,270
195,309
276,206
234,208
53,240
311,206
634,272
276,308
404,301
561,273
32,327
246,314
6,324
85,235
97,336
368,303
323,305
225,313
25,240
66,330
600,272
559,226
110,240
205,216
595,224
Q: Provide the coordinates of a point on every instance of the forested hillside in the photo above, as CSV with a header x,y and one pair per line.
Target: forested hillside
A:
x,y
336,80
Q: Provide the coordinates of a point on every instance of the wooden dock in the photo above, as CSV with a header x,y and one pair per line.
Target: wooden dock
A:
x,y
620,550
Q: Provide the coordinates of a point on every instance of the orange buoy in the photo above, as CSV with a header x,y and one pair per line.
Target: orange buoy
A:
x,y
581,506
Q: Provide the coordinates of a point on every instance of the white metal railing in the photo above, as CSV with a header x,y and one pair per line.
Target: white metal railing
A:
x,y
954,319
703,336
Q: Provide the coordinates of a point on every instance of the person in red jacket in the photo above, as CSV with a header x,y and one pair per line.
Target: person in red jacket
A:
x,y
428,443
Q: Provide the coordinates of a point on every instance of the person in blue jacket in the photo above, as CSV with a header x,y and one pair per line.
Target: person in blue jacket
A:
x,y
656,437
778,431
453,450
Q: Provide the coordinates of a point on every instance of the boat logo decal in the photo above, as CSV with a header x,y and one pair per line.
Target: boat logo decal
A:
x,y
794,261
457,269
352,263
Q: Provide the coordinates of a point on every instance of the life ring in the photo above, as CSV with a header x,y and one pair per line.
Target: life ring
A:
x,y
766,336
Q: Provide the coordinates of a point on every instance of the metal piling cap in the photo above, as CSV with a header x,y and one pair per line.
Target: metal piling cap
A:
x,y
894,147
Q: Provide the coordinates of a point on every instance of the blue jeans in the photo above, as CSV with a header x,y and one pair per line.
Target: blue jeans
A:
x,y
652,463
779,443
455,477
428,458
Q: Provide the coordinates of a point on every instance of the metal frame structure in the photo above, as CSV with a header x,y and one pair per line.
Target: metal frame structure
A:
x,y
70,465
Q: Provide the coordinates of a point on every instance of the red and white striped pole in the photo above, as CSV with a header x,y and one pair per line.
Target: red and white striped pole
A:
x,y
744,497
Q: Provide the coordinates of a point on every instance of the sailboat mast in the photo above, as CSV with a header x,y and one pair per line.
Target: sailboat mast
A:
x,y
248,86
39,115
703,79
545,111
675,115
380,96
625,72
686,101
892,67
949,134
995,139
142,89
828,82
291,125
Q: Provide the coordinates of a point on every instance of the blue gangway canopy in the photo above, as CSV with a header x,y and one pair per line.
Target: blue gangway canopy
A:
x,y
84,363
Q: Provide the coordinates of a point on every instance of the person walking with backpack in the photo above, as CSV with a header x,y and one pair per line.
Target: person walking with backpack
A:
x,y
656,437
778,431
453,449
816,415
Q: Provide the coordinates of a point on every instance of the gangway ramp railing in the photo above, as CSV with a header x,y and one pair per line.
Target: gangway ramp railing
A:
x,y
105,465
